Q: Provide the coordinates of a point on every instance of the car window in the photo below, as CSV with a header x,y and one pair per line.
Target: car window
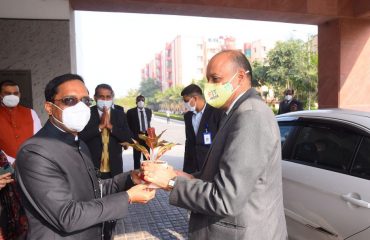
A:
x,y
325,146
361,166
284,132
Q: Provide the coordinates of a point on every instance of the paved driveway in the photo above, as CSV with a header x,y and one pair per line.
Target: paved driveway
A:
x,y
157,219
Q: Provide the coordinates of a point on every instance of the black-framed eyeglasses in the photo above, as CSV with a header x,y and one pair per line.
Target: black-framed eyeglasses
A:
x,y
72,100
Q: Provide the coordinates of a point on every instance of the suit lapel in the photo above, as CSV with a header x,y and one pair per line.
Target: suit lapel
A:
x,y
202,124
148,116
248,94
95,113
137,119
189,123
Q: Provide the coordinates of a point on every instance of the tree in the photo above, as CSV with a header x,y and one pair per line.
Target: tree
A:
x,y
292,65
259,74
129,101
148,88
170,99
201,82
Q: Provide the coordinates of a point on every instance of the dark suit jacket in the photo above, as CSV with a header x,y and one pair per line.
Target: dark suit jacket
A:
x,y
195,149
238,192
60,190
133,120
285,106
118,107
120,133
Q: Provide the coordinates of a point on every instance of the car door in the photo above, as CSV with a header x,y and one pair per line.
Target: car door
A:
x,y
323,197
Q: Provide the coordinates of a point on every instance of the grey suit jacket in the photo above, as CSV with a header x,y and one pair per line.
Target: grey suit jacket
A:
x,y
60,190
238,193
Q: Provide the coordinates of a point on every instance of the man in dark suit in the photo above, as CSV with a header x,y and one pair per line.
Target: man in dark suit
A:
x,y
105,131
201,125
59,188
118,107
289,103
139,119
238,192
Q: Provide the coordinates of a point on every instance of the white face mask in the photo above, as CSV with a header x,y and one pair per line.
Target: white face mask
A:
x,y
10,100
104,103
288,97
189,107
140,104
75,118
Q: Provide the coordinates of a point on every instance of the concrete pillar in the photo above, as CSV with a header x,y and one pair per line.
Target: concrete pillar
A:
x,y
344,64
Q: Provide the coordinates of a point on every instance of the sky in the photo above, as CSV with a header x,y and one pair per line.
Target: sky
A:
x,y
112,48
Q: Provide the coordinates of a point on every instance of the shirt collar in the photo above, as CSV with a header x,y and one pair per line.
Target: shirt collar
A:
x,y
203,108
60,134
202,111
57,127
233,103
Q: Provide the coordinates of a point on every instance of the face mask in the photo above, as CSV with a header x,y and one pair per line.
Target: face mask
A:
x,y
103,103
75,118
10,100
140,104
217,94
189,107
288,97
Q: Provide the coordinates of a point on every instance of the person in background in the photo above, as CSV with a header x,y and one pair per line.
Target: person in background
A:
x,y
238,192
201,125
139,119
13,220
289,104
104,132
60,191
17,123
168,116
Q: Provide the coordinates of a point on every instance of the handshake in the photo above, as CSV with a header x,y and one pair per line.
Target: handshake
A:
x,y
152,175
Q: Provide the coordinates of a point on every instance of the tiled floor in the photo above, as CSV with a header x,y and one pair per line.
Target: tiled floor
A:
x,y
157,219
152,221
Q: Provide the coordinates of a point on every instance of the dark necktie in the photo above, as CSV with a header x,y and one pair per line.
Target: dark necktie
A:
x,y
142,120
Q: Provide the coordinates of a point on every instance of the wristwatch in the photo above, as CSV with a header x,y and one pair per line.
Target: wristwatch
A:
x,y
171,183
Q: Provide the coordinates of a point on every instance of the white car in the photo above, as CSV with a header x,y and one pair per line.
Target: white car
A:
x,y
326,174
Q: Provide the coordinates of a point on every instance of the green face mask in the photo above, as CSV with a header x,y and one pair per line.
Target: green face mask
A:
x,y
216,94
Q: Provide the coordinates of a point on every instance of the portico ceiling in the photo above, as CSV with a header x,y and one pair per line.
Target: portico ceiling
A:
x,y
292,11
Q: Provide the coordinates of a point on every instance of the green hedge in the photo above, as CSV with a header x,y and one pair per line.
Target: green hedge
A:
x,y
172,116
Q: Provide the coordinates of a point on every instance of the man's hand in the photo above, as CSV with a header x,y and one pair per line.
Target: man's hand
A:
x,y
5,179
135,176
140,194
157,173
103,119
108,125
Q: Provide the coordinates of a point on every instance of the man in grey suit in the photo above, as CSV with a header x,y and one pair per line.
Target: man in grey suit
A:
x,y
60,192
238,192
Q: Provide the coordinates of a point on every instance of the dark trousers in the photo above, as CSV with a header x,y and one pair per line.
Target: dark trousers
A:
x,y
137,155
108,226
109,229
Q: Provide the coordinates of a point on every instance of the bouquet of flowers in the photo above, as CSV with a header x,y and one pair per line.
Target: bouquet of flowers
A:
x,y
157,147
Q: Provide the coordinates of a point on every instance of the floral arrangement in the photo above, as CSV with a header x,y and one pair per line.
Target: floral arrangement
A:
x,y
158,147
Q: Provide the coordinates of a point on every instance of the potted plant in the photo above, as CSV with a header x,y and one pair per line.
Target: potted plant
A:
x,y
157,147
